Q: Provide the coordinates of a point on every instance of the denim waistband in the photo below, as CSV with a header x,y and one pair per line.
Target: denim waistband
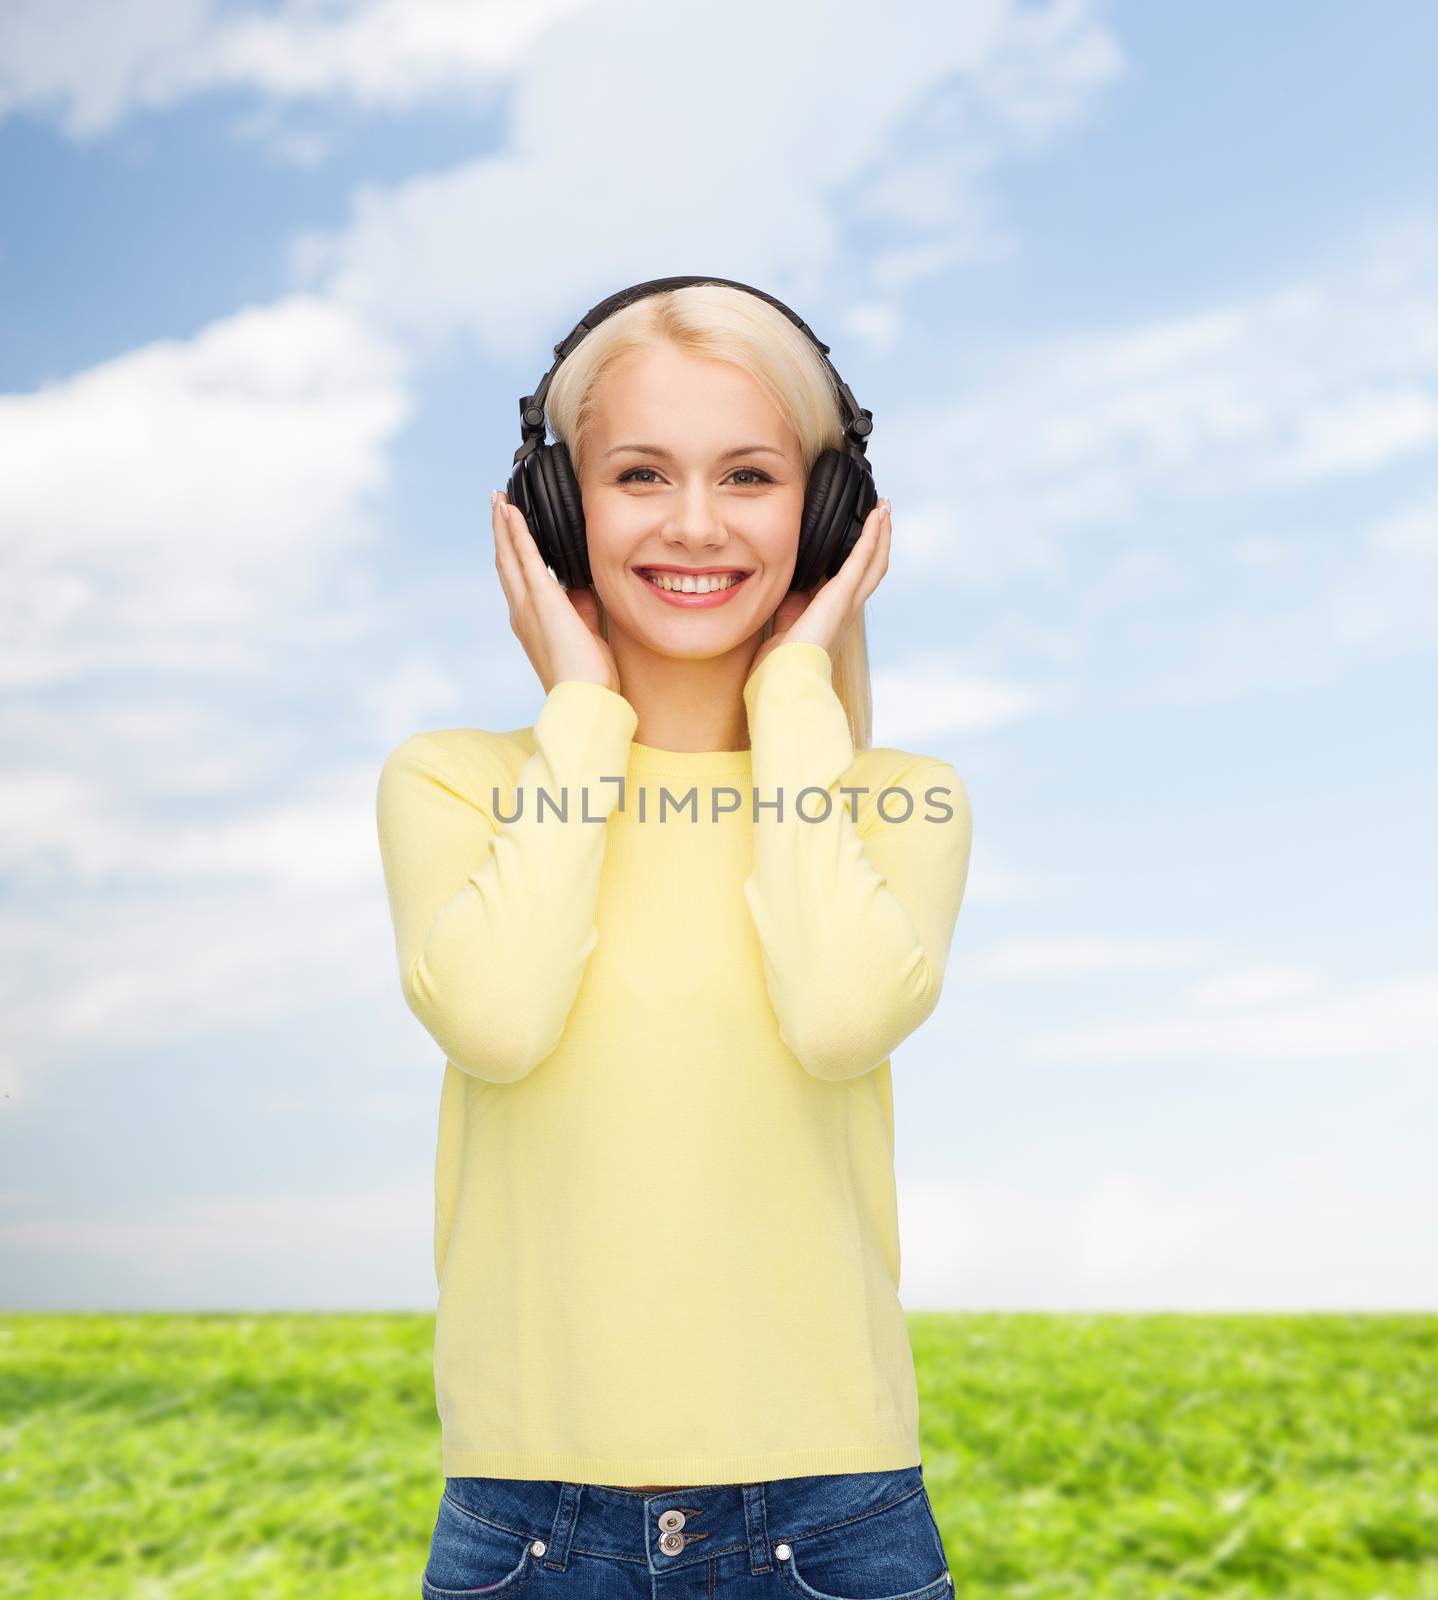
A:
x,y
719,1519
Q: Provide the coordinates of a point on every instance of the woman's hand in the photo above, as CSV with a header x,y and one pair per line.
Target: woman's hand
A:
x,y
824,614
558,627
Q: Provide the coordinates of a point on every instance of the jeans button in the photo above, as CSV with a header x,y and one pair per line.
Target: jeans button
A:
x,y
671,1543
671,1521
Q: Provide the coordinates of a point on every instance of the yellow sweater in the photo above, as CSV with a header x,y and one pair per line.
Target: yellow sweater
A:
x,y
666,1232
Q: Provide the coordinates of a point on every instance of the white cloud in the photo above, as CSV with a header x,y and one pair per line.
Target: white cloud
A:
x,y
1122,1229
1410,537
168,507
317,837
993,883
1298,1237
153,970
925,699
739,89
1072,435
1257,986
747,136
873,323
1165,492
1039,957
1357,431
334,1249
987,1242
1381,1020
94,63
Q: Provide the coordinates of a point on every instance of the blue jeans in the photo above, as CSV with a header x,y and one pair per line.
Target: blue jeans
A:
x,y
842,1536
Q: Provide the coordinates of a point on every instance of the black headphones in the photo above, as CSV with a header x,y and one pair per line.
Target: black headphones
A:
x,y
839,496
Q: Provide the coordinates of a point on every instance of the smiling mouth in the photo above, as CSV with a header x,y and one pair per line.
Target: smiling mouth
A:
x,y
686,582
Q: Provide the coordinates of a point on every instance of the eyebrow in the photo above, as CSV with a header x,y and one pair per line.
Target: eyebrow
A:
x,y
668,455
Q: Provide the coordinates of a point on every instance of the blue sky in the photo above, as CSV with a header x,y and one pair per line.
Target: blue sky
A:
x,y
1145,303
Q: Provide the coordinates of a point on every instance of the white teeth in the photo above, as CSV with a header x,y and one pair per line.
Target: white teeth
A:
x,y
705,584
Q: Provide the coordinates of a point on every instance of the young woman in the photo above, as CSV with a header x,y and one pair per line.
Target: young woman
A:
x,y
667,938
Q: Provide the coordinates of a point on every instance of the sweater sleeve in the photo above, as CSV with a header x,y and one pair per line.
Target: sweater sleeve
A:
x,y
494,920
854,919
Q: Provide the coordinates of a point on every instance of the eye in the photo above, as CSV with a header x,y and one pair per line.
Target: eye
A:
x,y
757,473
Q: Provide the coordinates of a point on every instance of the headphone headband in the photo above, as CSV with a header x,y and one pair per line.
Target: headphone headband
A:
x,y
858,422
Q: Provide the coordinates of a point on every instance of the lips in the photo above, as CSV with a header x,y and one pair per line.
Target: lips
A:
x,y
693,599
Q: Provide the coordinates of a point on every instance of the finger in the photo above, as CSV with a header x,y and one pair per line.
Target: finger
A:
x,y
525,548
511,576
879,560
859,575
855,566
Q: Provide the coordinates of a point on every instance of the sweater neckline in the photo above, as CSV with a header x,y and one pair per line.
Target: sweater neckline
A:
x,y
689,763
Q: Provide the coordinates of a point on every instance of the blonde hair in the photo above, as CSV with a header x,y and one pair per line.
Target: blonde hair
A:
x,y
720,323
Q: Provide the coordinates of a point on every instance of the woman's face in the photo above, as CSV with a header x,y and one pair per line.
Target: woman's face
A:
x,y
689,467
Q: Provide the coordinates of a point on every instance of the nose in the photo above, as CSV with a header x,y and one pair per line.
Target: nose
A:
x,y
696,526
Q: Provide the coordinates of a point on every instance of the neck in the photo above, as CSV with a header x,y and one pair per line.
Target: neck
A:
x,y
685,703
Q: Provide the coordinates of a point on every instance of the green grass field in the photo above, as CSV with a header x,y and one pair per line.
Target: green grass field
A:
x,y
1088,1456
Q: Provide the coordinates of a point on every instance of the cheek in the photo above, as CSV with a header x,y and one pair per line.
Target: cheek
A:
x,y
609,540
611,546
774,531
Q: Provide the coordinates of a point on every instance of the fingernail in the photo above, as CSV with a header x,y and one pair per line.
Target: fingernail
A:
x,y
493,496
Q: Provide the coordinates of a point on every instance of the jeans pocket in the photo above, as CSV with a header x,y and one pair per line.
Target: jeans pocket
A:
x,y
892,1554
469,1556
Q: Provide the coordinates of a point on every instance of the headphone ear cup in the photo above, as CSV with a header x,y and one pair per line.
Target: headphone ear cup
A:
x,y
566,517
544,489
839,496
522,496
